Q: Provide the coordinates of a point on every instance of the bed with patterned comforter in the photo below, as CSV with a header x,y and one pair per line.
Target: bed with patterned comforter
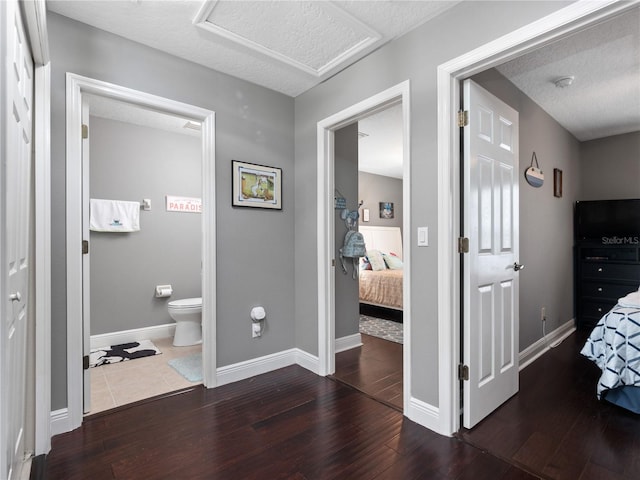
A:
x,y
614,345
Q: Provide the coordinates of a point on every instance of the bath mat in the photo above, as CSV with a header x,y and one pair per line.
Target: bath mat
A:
x,y
122,352
190,367
378,327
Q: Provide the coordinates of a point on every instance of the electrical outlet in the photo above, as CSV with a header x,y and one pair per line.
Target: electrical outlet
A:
x,y
543,314
256,330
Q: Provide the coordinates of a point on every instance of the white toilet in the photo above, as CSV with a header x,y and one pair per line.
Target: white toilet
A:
x,y
188,316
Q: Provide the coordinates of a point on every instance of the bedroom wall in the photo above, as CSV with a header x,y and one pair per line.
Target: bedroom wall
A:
x,y
414,57
373,189
254,246
610,168
347,306
546,222
132,162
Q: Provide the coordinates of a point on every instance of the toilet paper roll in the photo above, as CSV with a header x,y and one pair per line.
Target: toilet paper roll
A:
x,y
163,291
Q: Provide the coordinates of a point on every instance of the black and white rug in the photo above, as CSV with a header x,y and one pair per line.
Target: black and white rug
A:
x,y
378,327
122,352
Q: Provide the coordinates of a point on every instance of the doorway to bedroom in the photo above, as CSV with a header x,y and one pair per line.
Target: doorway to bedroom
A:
x,y
368,172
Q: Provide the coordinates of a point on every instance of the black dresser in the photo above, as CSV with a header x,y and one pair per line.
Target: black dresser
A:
x,y
604,273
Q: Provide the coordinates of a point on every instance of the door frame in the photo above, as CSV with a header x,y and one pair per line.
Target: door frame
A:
x,y
77,86
555,26
326,229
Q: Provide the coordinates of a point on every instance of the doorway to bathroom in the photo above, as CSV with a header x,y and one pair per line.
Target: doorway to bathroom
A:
x,y
119,285
150,162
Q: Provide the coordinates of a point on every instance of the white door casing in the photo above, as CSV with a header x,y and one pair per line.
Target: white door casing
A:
x,y
490,269
17,122
77,86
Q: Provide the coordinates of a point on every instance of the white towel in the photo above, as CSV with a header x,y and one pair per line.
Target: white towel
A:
x,y
631,300
114,216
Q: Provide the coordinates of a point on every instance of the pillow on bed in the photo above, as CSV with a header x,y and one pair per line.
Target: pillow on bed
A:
x,y
393,262
364,263
376,260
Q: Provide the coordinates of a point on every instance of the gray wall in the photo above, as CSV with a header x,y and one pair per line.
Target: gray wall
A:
x,y
610,168
414,56
131,162
546,222
254,247
347,306
373,189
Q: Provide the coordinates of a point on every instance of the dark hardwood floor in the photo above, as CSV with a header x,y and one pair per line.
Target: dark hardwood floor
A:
x,y
555,425
374,368
292,424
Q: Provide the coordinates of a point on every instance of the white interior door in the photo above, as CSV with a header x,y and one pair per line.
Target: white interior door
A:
x,y
86,260
17,71
490,269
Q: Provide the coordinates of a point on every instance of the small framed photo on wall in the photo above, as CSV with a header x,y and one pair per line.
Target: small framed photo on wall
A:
x,y
386,209
557,182
256,186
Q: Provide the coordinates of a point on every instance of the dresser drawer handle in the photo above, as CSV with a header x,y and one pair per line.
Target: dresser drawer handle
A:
x,y
599,309
600,269
599,289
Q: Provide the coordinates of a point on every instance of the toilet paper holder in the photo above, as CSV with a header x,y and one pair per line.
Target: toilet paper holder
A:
x,y
164,291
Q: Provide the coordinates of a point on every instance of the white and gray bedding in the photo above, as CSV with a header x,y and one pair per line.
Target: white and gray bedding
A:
x,y
614,345
381,271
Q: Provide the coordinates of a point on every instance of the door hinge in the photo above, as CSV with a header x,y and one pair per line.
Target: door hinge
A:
x,y
85,131
463,372
85,362
463,118
85,247
333,262
463,245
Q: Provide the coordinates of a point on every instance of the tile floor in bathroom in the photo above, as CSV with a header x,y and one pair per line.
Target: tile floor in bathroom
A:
x,y
126,382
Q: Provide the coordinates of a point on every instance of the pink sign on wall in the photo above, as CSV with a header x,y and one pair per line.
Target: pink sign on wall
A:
x,y
184,204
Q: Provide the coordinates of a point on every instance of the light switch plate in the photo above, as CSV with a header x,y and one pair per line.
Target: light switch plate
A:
x,y
423,236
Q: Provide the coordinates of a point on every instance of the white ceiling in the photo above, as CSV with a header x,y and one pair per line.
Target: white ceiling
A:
x,y
380,151
125,112
604,98
290,46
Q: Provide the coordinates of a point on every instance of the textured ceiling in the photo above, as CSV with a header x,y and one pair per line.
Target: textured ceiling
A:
x,y
380,151
290,46
604,98
283,45
125,112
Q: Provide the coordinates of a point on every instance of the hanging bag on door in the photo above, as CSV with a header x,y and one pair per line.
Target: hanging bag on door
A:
x,y
354,248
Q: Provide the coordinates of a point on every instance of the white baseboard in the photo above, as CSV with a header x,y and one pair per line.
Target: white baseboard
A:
x,y
60,421
348,342
426,415
256,366
134,335
539,348
308,361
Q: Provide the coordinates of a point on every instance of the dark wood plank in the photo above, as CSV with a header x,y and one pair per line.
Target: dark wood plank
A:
x,y
292,424
375,368
555,425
